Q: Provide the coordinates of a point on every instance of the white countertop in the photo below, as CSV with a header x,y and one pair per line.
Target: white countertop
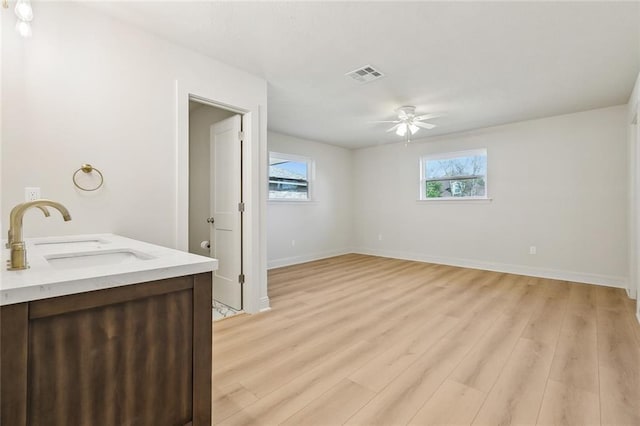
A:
x,y
44,279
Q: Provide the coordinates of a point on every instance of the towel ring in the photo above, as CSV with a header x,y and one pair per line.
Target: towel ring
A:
x,y
87,168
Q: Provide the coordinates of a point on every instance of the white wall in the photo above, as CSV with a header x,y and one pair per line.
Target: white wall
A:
x,y
321,227
201,117
87,88
558,183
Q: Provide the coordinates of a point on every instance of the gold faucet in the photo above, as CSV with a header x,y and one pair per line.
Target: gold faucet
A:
x,y
16,244
46,213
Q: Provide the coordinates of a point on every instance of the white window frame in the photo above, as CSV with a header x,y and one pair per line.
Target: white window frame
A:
x,y
422,196
310,176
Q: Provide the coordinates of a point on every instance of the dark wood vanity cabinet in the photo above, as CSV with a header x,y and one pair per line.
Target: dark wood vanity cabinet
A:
x,y
133,355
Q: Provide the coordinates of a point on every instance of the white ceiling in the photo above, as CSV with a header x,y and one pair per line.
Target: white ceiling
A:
x,y
477,63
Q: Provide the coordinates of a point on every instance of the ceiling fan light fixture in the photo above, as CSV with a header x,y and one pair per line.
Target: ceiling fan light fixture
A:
x,y
23,10
23,28
408,123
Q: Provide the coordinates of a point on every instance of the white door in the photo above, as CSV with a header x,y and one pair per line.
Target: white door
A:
x,y
225,234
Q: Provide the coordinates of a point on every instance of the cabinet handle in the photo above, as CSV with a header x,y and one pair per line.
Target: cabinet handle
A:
x,y
210,220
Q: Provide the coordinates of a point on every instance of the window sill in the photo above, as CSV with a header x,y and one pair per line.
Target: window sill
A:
x,y
291,201
456,200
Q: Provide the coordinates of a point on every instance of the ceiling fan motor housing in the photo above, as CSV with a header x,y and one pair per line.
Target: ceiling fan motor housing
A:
x,y
406,112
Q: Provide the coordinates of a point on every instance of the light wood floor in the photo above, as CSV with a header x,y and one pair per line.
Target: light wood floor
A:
x,y
363,340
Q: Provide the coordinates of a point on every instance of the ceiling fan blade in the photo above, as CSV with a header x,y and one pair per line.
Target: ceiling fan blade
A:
x,y
388,121
402,115
394,127
426,117
424,125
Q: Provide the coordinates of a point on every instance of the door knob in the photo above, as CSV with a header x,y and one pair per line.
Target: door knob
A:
x,y
210,220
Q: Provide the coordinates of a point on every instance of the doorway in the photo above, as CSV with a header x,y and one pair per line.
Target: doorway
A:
x,y
215,197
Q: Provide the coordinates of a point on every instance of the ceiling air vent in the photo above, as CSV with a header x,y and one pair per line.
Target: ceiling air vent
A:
x,y
365,74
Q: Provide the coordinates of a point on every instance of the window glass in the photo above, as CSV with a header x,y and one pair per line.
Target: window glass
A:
x,y
288,177
454,175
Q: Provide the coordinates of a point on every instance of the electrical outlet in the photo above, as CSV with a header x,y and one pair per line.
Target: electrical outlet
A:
x,y
533,250
379,237
293,243
31,193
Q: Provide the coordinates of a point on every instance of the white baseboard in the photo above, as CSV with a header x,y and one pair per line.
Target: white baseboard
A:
x,y
638,316
265,305
294,260
580,277
630,293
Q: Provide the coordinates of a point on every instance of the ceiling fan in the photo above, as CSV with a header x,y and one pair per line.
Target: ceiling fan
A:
x,y
408,123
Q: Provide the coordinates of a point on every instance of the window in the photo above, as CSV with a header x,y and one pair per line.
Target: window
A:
x,y
454,175
289,177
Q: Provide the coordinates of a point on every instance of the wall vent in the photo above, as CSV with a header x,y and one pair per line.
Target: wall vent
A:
x,y
365,74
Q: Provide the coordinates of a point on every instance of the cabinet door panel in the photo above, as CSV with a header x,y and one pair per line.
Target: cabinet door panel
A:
x,y
128,363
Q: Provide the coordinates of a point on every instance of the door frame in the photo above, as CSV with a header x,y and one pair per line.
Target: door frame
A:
x,y
254,184
633,208
636,237
634,187
633,289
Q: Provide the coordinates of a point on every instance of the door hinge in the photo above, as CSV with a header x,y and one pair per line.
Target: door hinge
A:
x,y
240,207
241,135
241,278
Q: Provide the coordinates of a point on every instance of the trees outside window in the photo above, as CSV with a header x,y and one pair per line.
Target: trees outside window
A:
x,y
454,175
